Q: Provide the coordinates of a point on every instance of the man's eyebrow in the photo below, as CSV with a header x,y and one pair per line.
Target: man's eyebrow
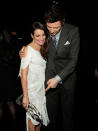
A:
x,y
53,27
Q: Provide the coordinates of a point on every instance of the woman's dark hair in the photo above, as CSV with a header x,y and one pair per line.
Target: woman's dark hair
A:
x,y
44,48
54,13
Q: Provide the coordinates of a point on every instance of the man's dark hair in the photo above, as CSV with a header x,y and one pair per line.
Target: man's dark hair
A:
x,y
54,13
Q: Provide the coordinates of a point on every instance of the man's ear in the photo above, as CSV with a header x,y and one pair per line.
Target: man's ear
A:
x,y
31,35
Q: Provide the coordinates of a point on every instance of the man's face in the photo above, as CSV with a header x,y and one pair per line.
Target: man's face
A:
x,y
53,28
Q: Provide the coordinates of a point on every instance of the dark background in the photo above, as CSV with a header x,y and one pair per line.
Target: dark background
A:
x,y
18,16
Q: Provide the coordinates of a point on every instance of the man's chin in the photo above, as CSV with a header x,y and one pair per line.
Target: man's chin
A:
x,y
53,34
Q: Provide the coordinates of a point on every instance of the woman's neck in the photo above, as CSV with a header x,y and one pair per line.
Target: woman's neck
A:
x,y
35,46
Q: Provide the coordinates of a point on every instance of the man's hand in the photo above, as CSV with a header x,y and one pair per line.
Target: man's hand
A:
x,y
21,52
96,72
52,83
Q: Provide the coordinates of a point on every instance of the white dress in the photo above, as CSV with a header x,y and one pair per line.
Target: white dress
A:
x,y
35,78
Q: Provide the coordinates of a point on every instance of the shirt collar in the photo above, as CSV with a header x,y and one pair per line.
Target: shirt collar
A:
x,y
57,35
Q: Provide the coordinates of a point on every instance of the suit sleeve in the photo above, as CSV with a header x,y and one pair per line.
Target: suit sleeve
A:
x,y
74,39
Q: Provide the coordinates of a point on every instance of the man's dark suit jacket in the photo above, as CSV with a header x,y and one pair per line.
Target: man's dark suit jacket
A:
x,y
63,60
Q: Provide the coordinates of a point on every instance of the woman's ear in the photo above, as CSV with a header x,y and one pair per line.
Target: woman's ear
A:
x,y
31,35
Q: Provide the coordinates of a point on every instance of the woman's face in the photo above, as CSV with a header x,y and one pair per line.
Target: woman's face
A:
x,y
39,37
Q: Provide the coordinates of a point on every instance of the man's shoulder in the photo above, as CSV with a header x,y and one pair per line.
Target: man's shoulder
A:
x,y
69,26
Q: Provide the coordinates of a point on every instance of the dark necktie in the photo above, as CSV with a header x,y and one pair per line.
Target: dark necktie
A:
x,y
54,41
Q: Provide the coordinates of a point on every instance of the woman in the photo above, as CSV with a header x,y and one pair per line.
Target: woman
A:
x,y
32,72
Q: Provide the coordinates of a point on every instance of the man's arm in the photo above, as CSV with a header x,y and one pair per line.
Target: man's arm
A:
x,y
73,56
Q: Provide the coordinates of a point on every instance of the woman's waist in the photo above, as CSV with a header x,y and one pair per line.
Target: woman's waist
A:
x,y
36,87
37,66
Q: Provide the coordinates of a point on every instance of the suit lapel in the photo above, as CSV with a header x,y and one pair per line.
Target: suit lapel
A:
x,y
62,38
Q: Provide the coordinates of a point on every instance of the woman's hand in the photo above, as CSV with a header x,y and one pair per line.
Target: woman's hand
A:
x,y
25,102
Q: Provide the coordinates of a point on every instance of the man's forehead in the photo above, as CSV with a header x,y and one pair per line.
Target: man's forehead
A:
x,y
55,24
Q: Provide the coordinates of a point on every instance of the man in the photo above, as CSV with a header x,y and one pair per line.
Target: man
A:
x,y
61,69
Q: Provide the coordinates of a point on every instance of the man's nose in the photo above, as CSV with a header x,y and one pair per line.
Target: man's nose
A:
x,y
52,30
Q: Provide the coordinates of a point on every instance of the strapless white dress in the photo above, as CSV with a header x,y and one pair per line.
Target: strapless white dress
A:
x,y
36,79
